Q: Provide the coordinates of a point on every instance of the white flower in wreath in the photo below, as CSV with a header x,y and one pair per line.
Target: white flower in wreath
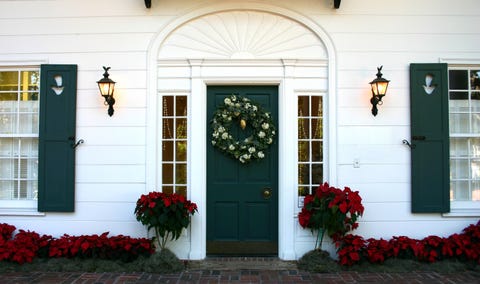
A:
x,y
249,148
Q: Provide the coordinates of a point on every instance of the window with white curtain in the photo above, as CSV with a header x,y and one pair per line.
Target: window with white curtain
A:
x,y
19,120
464,119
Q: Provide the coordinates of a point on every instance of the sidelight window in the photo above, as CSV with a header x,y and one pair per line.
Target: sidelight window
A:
x,y
174,144
310,143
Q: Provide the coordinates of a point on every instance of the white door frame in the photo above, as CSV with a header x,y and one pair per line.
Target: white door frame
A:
x,y
204,72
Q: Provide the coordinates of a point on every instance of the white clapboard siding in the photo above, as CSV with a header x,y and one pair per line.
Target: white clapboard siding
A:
x,y
112,163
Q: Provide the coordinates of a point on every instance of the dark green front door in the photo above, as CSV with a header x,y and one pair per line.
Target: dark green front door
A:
x,y
241,219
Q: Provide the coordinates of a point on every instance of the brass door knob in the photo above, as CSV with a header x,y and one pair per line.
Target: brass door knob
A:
x,y
267,193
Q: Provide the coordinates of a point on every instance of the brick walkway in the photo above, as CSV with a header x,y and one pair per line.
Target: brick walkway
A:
x,y
240,276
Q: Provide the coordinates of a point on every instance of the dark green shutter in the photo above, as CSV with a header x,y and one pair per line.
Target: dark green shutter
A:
x,y
430,138
56,168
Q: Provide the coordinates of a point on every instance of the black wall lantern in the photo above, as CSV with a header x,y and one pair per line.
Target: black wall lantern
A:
x,y
107,87
379,90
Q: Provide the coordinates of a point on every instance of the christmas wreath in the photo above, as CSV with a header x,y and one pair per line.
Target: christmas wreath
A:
x,y
251,117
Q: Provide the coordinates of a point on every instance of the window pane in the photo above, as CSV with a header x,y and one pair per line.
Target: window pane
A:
x,y
29,80
475,122
475,196
303,106
303,128
459,147
459,190
458,79
459,105
317,128
181,128
6,169
168,106
182,190
303,190
475,147
475,104
8,80
475,168
459,169
167,173
167,151
304,174
6,147
475,79
7,123
167,189
167,128
181,151
28,123
181,174
459,123
317,173
181,106
459,95
303,151
317,106
8,97
6,189
317,151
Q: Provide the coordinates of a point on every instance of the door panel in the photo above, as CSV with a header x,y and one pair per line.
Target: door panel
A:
x,y
240,220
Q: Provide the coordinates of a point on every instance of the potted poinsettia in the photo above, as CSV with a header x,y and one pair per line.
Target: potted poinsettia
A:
x,y
166,213
331,210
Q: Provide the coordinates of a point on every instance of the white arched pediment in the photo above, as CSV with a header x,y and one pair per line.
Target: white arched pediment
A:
x,y
242,35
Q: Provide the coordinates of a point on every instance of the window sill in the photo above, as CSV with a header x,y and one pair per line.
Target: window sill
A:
x,y
462,213
20,212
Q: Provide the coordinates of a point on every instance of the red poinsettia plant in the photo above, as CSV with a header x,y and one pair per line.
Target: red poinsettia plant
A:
x,y
167,213
331,210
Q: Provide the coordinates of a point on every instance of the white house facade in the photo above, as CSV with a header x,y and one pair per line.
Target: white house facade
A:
x,y
169,60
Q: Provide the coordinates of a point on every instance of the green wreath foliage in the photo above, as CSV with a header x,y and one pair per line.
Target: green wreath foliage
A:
x,y
250,116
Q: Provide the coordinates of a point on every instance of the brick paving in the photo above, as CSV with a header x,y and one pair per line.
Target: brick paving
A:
x,y
239,276
239,270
